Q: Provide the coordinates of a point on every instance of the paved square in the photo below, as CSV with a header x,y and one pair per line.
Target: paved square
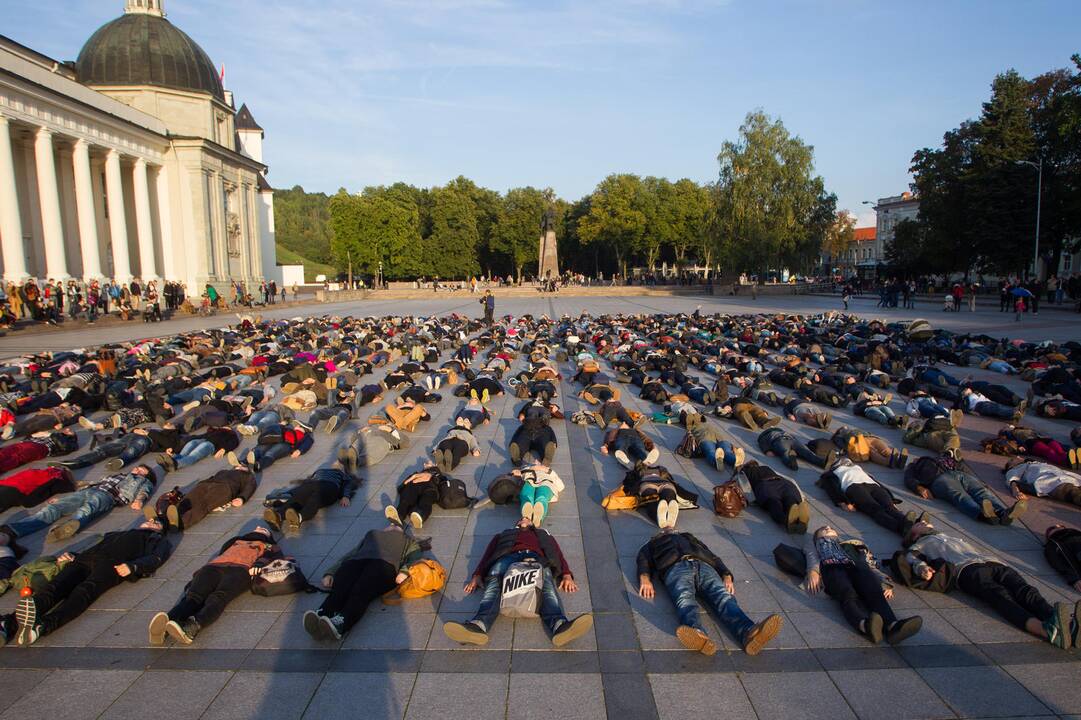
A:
x,y
256,661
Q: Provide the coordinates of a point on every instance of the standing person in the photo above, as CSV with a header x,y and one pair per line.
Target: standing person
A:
x,y
845,294
488,301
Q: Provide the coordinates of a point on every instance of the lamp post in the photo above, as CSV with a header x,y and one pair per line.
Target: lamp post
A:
x,y
1039,197
380,274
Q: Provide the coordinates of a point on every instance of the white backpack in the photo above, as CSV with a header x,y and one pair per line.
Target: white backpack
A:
x,y
522,584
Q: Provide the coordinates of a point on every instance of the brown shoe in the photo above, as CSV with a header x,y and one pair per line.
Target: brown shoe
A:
x,y
760,635
696,640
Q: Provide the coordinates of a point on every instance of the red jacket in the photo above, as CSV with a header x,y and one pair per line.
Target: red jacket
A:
x,y
27,481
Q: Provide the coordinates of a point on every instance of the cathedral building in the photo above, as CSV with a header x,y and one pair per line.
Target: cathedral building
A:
x,y
131,161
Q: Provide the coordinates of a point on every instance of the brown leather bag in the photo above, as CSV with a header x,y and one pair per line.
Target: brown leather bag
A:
x,y
728,499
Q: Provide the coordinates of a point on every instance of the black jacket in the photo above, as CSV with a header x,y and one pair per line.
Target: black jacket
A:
x,y
1063,552
143,550
666,549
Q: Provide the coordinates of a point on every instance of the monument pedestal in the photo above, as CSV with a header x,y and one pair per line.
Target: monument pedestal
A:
x,y
547,257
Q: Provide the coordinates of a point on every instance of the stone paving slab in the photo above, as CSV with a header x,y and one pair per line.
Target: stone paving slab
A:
x,y
257,661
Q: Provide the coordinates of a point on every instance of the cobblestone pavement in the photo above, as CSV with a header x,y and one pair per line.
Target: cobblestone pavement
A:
x,y
257,661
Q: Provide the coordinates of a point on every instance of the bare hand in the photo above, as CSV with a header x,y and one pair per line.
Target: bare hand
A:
x,y
328,581
924,493
220,454
849,507
295,454
237,502
604,449
472,585
123,570
568,585
400,578
344,502
814,582
476,453
729,585
65,558
887,593
645,589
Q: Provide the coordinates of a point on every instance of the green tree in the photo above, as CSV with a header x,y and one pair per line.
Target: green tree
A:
x,y
516,233
615,219
301,223
767,194
907,253
454,239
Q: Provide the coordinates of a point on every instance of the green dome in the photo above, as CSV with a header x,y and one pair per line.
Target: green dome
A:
x,y
145,49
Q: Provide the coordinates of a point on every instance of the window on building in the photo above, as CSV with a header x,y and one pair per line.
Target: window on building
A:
x,y
1067,262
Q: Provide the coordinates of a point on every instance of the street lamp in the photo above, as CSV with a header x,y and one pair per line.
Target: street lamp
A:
x,y
1039,197
380,274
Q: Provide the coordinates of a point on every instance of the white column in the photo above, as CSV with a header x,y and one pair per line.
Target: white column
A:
x,y
52,226
165,222
118,225
11,225
148,267
84,201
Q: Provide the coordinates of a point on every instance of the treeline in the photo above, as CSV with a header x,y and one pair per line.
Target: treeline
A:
x,y
768,210
978,191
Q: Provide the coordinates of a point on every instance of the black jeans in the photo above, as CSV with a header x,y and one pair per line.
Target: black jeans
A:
x,y
356,584
776,496
72,591
534,442
1006,591
875,502
307,498
788,449
457,448
859,590
418,498
202,500
211,588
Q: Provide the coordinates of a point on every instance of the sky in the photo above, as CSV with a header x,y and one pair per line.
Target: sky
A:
x,y
561,93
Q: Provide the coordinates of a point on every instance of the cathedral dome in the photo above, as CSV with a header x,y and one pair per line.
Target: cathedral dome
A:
x,y
143,48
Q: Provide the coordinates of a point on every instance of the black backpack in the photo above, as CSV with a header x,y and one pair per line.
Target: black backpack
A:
x,y
505,489
452,493
280,576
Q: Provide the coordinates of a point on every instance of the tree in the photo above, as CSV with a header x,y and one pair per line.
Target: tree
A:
x,y
907,253
615,219
690,207
516,233
454,239
767,193
301,223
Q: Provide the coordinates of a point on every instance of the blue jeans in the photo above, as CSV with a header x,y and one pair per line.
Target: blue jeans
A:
x,y
83,505
267,455
937,377
994,410
242,381
1001,366
709,450
635,448
879,413
929,408
686,579
186,396
964,493
194,451
263,419
551,606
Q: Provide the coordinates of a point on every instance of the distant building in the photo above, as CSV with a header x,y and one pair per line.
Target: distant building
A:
x,y
131,161
890,211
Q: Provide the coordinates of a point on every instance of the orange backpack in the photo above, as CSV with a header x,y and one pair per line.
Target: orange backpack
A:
x,y
426,577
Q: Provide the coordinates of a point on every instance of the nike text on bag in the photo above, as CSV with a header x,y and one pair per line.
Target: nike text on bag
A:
x,y
522,585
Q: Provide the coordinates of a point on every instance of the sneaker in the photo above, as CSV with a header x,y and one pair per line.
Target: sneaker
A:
x,y
873,628
484,397
468,633
1013,512
183,632
622,458
9,430
84,421
26,612
760,635
416,520
740,455
473,395
114,464
293,520
313,625
1075,459
172,516
549,453
156,631
331,424
232,458
956,416
903,629
696,640
1057,628
333,627
247,430
63,531
271,517
987,511
441,460
571,630
515,453
391,513
250,459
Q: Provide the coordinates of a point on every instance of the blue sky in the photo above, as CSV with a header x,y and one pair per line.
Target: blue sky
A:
x,y
561,93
